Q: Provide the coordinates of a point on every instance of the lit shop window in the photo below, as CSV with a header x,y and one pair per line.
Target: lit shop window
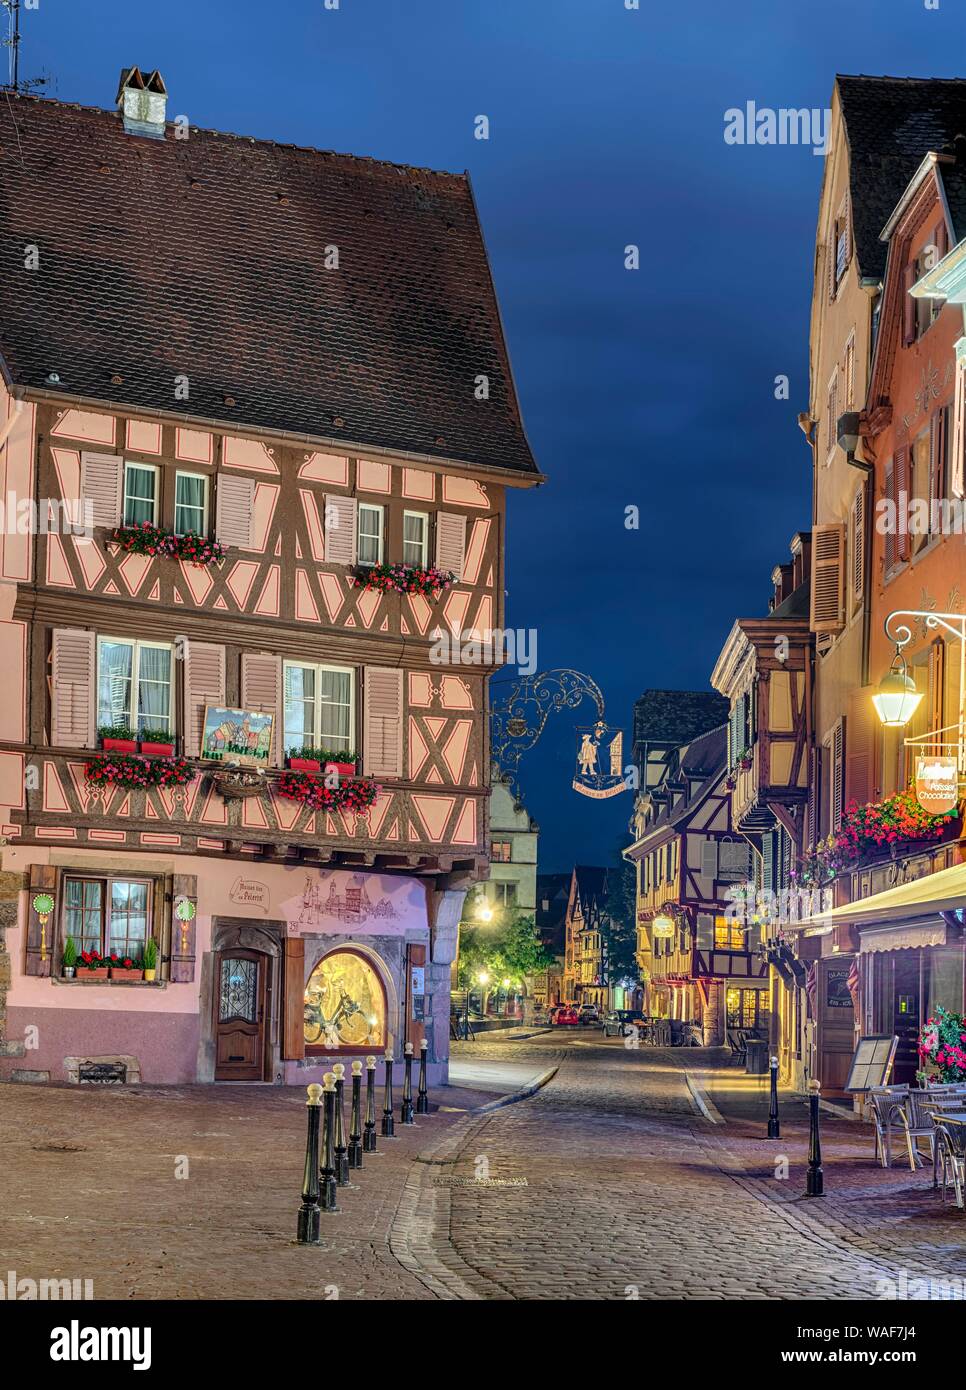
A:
x,y
345,1005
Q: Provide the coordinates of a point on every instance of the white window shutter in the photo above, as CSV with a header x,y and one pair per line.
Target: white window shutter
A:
x,y
72,698
102,486
709,859
341,530
234,509
382,734
261,690
957,480
450,542
828,575
204,684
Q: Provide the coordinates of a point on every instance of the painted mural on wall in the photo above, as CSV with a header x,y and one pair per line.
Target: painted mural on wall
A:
x,y
359,903
237,735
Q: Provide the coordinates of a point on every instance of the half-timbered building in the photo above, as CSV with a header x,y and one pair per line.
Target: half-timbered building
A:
x,y
297,356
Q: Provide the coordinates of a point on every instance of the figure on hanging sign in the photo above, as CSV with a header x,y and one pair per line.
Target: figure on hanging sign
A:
x,y
599,761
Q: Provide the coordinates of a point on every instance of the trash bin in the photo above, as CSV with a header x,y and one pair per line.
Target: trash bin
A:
x,y
756,1057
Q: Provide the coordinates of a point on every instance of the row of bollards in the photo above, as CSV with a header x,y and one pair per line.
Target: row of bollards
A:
x,y
331,1150
814,1177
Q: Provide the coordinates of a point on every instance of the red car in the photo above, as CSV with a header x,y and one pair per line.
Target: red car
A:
x,y
564,1015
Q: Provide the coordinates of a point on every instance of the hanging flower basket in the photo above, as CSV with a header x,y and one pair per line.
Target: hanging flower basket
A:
x,y
404,579
128,770
873,831
310,790
146,539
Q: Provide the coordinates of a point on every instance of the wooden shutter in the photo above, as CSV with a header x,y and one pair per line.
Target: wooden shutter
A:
x,y
40,935
204,684
889,540
830,262
293,999
908,305
901,485
341,530
957,481
850,372
936,451
382,742
828,564
234,509
860,746
709,859
73,702
857,568
814,797
184,889
837,781
451,542
261,687
768,861
102,487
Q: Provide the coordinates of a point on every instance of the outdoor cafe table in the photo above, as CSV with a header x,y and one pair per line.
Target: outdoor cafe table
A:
x,y
948,1117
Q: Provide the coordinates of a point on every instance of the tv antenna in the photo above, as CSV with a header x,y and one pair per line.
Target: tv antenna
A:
x,y
12,41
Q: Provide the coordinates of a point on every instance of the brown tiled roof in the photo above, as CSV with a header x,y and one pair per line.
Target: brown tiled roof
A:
x,y
206,256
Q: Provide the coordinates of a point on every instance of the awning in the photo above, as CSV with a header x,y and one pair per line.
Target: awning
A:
x,y
902,938
930,895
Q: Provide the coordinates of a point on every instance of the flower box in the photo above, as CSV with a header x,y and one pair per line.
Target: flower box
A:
x,y
100,974
343,769
120,972
119,745
158,750
304,765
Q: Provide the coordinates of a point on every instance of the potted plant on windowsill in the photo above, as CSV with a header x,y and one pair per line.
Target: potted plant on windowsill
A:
x,y
91,965
118,738
157,743
124,968
150,958
69,962
309,759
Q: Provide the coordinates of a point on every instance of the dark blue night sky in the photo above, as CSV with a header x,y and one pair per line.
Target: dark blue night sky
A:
x,y
653,388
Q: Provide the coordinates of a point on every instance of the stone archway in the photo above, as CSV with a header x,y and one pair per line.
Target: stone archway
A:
x,y
238,933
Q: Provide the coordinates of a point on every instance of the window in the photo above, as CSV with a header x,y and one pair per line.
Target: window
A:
x,y
415,538
191,504
370,534
319,707
345,1003
831,411
746,1008
850,372
729,934
140,493
108,915
505,894
501,851
134,684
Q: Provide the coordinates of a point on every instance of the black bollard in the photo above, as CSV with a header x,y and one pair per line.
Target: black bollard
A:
x,y
422,1098
309,1214
388,1123
406,1109
327,1194
774,1128
341,1148
355,1124
814,1180
369,1128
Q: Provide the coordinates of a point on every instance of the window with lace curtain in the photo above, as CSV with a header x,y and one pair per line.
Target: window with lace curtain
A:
x,y
191,504
134,684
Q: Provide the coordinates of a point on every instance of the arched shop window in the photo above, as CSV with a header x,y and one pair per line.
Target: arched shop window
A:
x,y
345,1005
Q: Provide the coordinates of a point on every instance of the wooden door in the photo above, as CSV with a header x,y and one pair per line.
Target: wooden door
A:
x,y
240,1023
906,986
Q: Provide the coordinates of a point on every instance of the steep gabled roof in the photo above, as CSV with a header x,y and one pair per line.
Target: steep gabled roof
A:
x,y
211,257
676,716
891,123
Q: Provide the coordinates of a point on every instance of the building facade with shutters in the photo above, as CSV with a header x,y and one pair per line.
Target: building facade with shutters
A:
x,y
585,976
691,858
316,406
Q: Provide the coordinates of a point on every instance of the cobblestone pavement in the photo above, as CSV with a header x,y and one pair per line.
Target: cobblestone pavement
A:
x,y
609,1183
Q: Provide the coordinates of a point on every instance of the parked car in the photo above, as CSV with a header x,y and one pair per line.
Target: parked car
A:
x,y
618,1023
564,1016
589,1013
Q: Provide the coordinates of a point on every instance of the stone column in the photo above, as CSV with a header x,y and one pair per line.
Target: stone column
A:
x,y
713,1022
444,908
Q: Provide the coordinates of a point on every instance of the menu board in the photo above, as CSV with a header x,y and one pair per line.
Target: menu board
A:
x,y
872,1062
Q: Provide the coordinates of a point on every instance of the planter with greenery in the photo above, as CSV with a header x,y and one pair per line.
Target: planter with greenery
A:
x,y
157,743
309,759
874,831
404,579
942,1048
146,539
91,965
125,967
150,958
69,962
118,738
308,788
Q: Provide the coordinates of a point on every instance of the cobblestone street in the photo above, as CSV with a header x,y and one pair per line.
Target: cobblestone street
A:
x,y
609,1183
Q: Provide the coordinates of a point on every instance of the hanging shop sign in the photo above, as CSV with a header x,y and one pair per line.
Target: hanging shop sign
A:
x,y
600,753
937,784
662,927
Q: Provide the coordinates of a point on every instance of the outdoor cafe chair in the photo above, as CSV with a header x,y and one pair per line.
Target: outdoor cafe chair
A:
x,y
888,1103
949,1153
917,1116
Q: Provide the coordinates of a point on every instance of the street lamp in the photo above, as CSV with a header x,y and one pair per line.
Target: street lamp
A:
x,y
484,912
897,698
